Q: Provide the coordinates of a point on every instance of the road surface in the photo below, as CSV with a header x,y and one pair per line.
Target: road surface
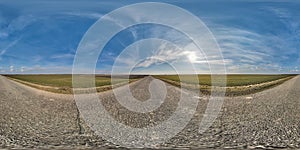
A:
x,y
32,118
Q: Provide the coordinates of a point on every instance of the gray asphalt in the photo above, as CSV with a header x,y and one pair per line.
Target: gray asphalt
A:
x,y
32,118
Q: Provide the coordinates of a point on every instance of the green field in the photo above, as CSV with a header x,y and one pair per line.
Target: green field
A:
x,y
63,83
231,80
59,80
236,84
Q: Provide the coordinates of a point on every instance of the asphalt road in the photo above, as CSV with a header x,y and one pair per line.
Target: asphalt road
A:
x,y
31,118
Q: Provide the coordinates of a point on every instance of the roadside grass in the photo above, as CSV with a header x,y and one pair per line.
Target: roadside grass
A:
x,y
235,84
232,80
63,83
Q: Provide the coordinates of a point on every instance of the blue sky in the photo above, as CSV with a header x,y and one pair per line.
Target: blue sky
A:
x,y
254,36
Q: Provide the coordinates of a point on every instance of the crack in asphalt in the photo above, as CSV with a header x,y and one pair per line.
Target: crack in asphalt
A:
x,y
81,129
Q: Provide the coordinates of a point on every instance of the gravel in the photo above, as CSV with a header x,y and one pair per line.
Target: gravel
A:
x,y
31,118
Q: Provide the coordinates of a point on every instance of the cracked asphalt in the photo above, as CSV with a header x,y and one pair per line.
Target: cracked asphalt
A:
x,y
31,118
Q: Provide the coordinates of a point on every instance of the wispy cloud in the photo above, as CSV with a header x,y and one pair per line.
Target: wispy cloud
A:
x,y
22,69
43,69
244,48
90,15
5,49
11,69
37,58
188,54
17,24
62,56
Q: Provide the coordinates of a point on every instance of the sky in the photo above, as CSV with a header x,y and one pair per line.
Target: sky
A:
x,y
39,36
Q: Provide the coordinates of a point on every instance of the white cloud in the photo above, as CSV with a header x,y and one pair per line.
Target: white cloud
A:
x,y
17,24
22,69
244,49
63,56
37,58
187,54
3,34
46,69
165,52
21,22
91,15
4,50
11,68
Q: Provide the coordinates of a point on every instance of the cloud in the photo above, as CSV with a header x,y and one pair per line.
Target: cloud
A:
x,y
243,48
90,15
165,53
46,69
174,48
178,49
170,53
17,24
4,50
37,58
11,68
62,56
22,69
20,23
3,34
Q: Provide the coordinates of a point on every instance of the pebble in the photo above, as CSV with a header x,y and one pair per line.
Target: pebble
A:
x,y
249,98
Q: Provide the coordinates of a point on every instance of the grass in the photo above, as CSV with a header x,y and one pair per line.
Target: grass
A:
x,y
235,84
232,80
63,83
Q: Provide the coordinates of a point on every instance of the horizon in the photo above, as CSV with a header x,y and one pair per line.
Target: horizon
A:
x,y
156,74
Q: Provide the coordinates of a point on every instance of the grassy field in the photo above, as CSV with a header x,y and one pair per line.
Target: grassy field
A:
x,y
232,80
235,84
57,80
63,83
